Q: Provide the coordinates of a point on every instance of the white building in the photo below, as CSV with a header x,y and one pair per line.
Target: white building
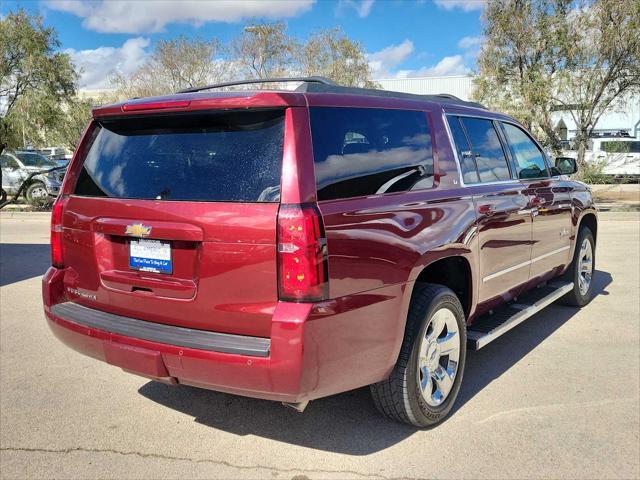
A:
x,y
624,116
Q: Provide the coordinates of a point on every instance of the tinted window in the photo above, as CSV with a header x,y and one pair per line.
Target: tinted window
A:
x,y
231,156
467,163
620,147
7,162
487,149
529,159
363,151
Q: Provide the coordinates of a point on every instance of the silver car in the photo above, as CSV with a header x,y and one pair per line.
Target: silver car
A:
x,y
16,167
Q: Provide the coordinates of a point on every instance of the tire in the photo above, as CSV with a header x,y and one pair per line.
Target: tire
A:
x,y
400,397
585,246
36,192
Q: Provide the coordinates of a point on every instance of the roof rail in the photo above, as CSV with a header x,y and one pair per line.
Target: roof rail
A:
x,y
442,98
322,80
325,85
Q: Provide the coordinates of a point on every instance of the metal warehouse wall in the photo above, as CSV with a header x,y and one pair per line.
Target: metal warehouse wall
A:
x,y
461,86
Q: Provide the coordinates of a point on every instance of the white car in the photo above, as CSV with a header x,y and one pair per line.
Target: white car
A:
x,y
620,154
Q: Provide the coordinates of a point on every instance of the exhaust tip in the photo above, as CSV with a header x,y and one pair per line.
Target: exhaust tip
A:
x,y
298,406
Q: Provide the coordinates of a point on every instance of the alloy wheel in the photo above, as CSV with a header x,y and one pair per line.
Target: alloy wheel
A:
x,y
438,357
585,266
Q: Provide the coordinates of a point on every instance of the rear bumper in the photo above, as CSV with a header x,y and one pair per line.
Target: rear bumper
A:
x,y
314,350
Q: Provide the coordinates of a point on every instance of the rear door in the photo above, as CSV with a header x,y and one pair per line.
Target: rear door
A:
x,y
504,219
172,219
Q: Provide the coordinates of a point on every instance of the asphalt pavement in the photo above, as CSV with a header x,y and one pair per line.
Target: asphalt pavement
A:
x,y
557,397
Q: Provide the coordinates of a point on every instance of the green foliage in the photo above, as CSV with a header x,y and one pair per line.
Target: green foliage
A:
x,y
174,64
77,113
35,78
330,53
262,50
593,173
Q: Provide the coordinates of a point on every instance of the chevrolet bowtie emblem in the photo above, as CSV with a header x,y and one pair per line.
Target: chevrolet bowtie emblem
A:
x,y
137,230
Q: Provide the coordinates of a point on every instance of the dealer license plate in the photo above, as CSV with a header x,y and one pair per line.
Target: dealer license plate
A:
x,y
150,256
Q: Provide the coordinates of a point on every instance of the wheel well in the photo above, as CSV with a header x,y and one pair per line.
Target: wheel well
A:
x,y
452,272
589,220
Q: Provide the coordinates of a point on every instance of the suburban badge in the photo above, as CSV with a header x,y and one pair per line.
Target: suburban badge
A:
x,y
138,230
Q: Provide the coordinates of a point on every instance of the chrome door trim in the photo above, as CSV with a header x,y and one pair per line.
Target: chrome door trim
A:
x,y
524,264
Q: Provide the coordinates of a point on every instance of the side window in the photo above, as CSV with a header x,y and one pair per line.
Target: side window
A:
x,y
365,151
467,163
7,162
487,149
529,159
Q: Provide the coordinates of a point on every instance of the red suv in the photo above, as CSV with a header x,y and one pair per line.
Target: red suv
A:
x,y
290,245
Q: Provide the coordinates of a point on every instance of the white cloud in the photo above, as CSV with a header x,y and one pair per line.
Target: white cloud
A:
x,y
465,5
96,64
453,65
126,16
362,7
469,42
385,60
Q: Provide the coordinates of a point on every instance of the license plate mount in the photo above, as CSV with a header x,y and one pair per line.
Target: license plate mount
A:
x,y
150,256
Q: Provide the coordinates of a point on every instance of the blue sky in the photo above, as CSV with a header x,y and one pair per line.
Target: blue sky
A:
x,y
401,37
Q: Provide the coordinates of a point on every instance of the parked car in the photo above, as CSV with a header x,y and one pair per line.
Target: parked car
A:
x,y
620,155
16,167
290,245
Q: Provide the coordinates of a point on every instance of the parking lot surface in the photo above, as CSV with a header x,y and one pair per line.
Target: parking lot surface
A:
x,y
557,397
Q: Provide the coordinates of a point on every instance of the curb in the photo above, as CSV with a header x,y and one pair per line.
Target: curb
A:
x,y
25,215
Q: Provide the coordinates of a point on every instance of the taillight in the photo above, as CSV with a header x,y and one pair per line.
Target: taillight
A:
x,y
302,254
57,257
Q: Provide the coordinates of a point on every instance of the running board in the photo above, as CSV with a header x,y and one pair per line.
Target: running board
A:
x,y
492,325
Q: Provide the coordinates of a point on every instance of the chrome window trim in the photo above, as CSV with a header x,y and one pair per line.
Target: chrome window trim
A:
x,y
499,273
446,114
514,181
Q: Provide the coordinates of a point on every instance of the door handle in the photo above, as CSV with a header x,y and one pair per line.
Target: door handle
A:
x,y
487,210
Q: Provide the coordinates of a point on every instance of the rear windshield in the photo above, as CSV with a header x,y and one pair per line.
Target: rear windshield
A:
x,y
227,156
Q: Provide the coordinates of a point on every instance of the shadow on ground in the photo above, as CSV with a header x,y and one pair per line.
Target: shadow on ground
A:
x,y
21,261
348,423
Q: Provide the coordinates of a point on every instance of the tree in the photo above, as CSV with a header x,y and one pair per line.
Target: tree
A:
x,y
602,62
265,50
35,78
77,116
330,53
542,55
174,65
518,60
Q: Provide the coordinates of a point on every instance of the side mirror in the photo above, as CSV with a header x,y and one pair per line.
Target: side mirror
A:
x,y
566,165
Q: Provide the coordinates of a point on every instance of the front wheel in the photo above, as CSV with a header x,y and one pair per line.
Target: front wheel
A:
x,y
581,270
36,193
425,382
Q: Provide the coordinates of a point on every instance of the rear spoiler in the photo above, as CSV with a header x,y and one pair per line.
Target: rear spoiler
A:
x,y
186,102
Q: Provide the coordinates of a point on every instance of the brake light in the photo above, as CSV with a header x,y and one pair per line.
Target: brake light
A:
x,y
57,257
302,254
132,107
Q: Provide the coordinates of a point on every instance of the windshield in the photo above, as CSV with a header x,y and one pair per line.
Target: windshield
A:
x,y
35,160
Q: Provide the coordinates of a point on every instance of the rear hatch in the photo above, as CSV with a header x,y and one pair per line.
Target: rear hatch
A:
x,y
172,219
